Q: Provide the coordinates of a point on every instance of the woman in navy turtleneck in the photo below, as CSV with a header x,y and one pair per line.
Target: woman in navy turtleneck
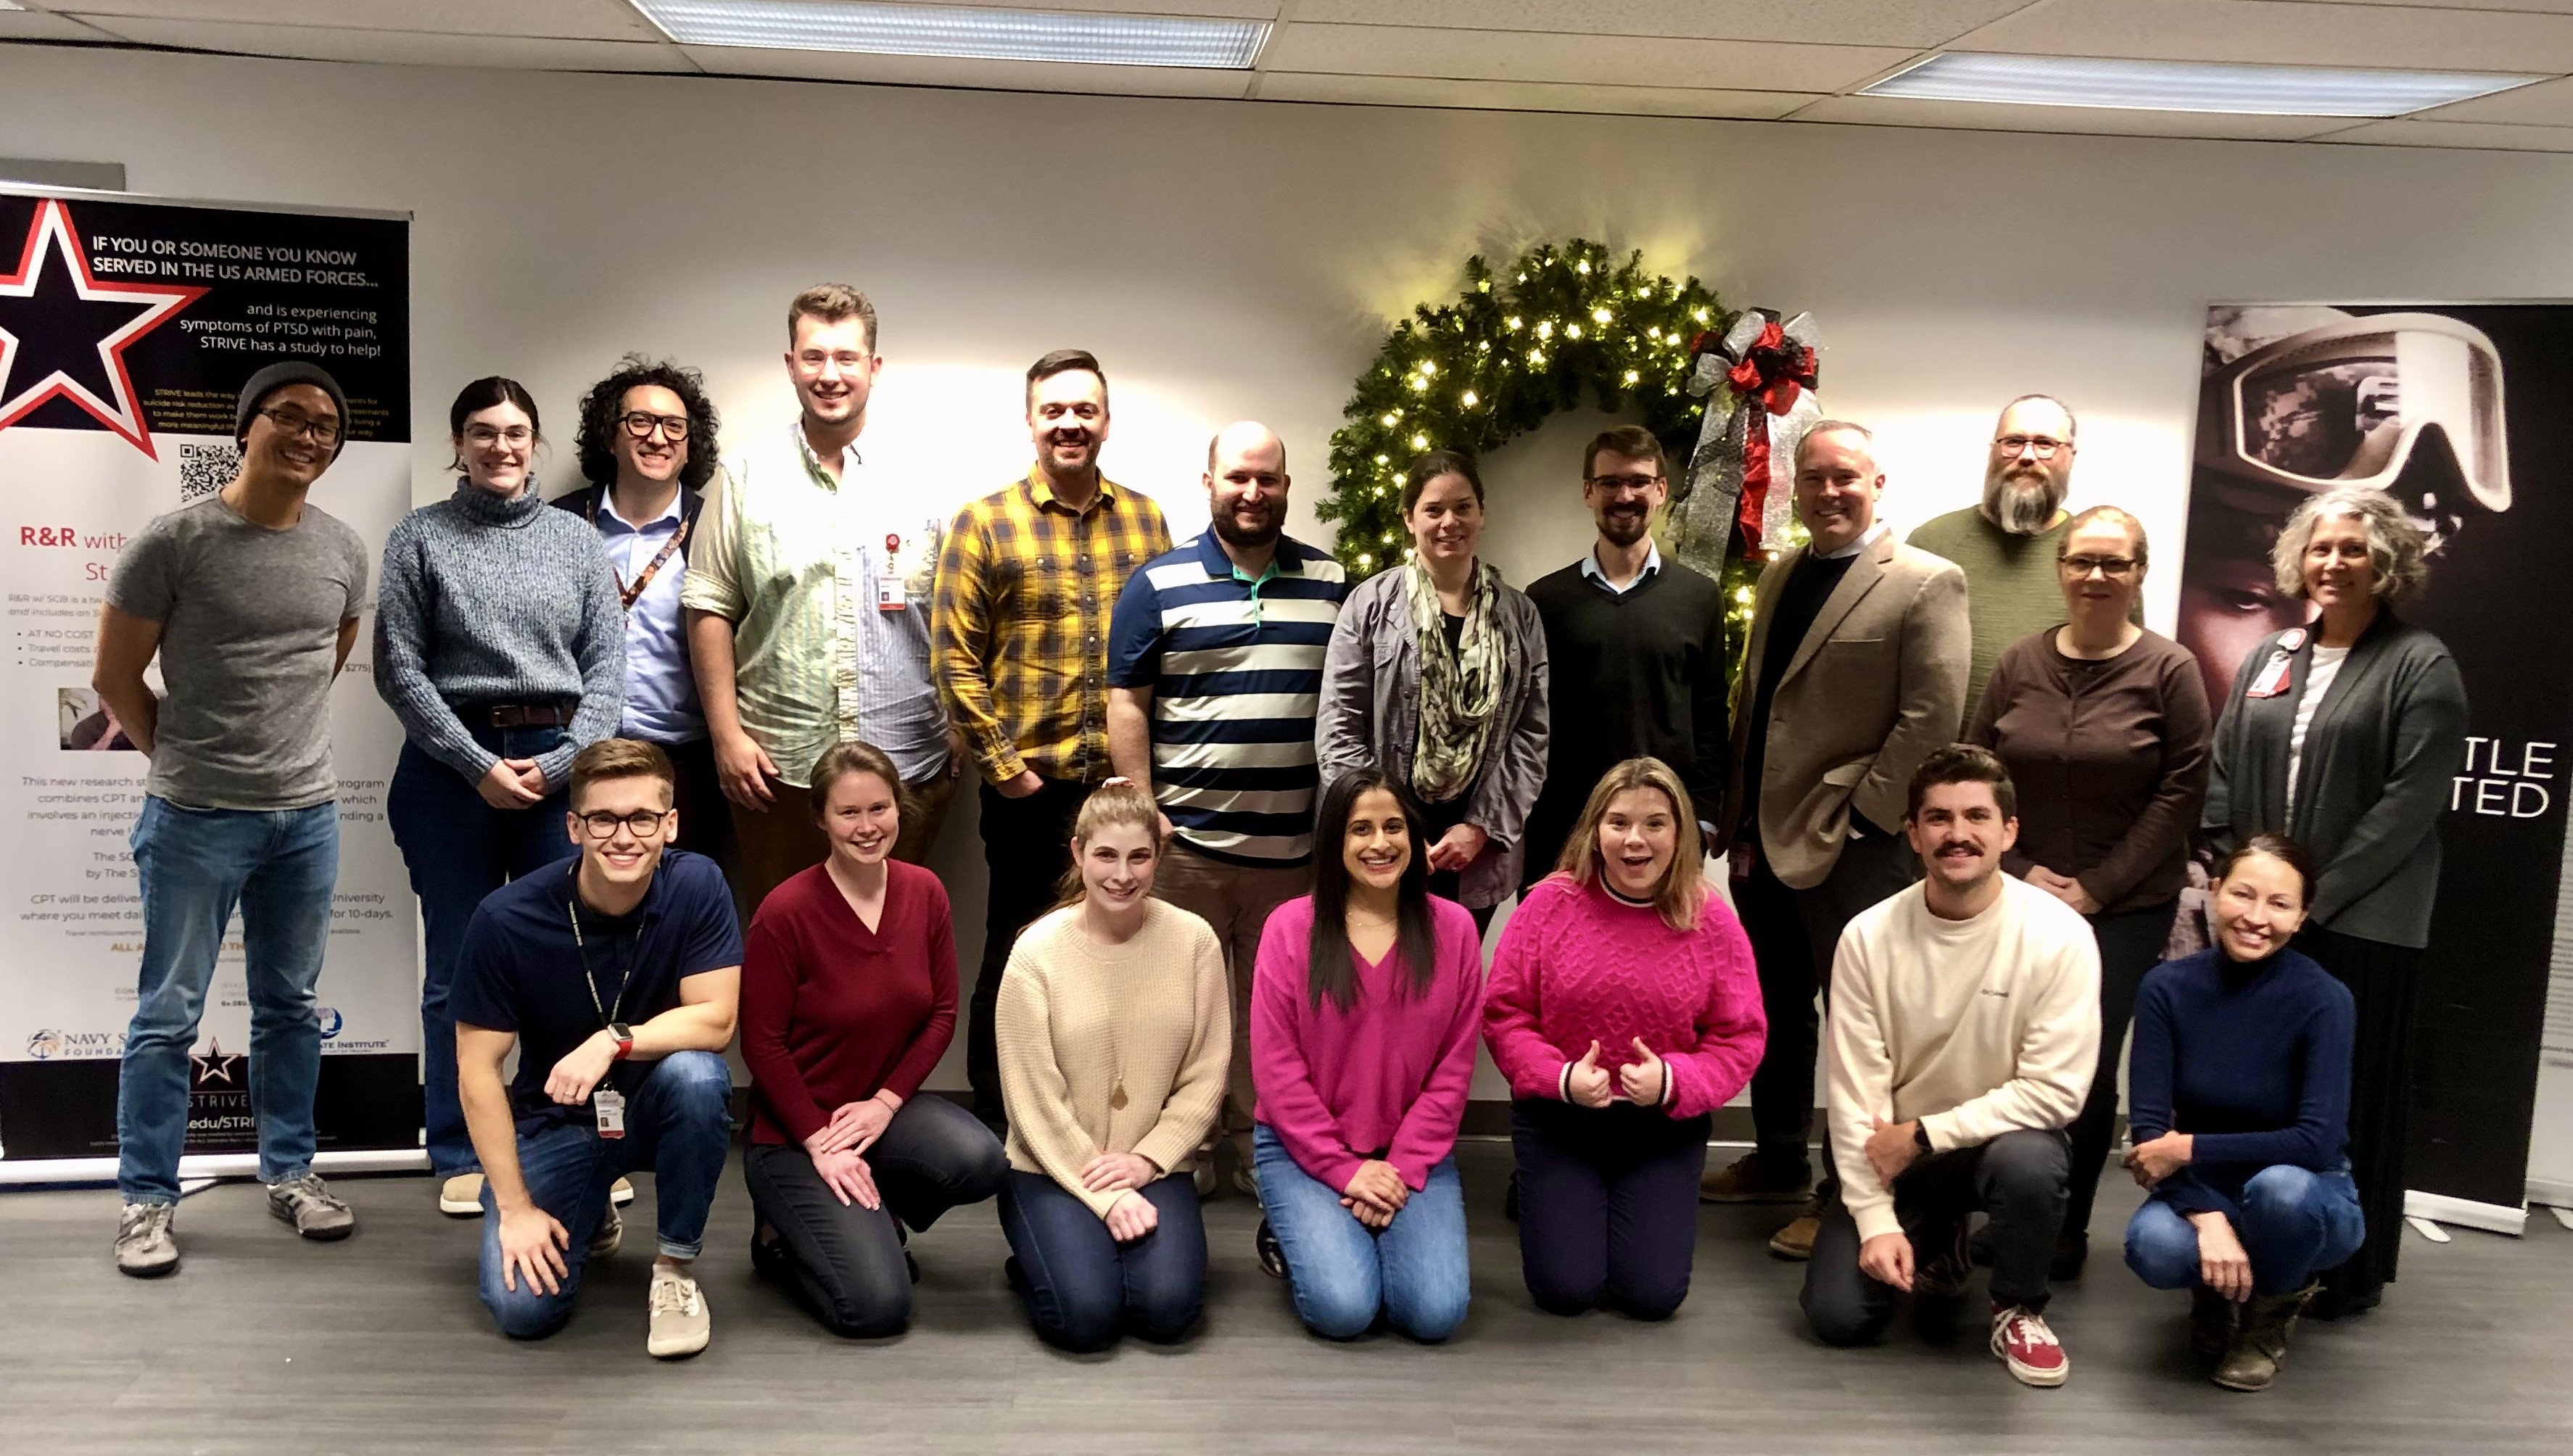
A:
x,y
2237,1099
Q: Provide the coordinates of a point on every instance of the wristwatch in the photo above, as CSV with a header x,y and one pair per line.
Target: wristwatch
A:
x,y
1921,1139
624,1035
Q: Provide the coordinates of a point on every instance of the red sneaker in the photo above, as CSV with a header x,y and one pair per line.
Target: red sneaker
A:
x,y
2021,1340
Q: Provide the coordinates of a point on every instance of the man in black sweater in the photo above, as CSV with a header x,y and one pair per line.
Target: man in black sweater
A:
x,y
1637,650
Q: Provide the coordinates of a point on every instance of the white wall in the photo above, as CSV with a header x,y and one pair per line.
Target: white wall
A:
x,y
1230,259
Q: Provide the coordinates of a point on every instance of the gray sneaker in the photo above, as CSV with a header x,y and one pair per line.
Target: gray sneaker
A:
x,y
678,1314
609,1235
145,1244
310,1207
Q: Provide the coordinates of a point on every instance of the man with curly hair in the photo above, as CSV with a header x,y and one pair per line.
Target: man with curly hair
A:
x,y
647,447
808,608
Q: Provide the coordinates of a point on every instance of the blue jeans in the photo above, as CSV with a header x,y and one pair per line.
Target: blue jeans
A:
x,y
1083,1288
193,866
1342,1272
678,1123
459,849
2292,1221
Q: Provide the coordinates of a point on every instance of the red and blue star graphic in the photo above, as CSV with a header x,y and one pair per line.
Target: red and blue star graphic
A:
x,y
63,332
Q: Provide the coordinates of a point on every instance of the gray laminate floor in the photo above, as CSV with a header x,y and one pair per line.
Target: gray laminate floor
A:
x,y
261,1344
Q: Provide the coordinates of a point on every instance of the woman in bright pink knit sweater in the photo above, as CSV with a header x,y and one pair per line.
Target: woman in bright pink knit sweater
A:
x,y
1624,1010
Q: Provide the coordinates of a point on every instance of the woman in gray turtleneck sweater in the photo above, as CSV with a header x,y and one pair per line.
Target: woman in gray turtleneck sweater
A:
x,y
499,644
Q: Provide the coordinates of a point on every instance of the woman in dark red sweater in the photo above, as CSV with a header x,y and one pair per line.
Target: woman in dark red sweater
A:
x,y
848,998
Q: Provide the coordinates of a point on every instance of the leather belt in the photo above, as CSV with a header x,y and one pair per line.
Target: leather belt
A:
x,y
515,715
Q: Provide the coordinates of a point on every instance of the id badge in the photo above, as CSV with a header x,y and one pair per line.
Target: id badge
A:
x,y
2274,678
889,593
1740,860
610,1105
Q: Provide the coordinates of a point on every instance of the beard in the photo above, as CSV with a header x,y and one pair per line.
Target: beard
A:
x,y
1625,527
1228,529
2022,502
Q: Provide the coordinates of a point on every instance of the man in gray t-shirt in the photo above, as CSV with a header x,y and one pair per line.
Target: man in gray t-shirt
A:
x,y
250,600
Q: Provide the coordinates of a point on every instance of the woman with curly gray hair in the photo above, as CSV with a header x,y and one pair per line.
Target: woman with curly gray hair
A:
x,y
2343,735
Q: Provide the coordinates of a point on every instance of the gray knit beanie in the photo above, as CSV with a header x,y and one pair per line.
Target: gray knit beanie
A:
x,y
277,377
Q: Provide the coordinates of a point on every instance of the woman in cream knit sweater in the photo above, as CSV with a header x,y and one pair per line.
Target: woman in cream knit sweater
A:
x,y
1115,1031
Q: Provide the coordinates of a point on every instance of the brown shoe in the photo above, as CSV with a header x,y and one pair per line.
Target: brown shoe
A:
x,y
1795,1240
1747,1180
2251,1361
2210,1324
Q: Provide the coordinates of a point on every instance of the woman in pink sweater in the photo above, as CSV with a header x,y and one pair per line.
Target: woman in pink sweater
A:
x,y
1624,1010
1363,1008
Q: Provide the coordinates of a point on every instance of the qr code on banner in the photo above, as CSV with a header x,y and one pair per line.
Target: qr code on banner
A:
x,y
205,469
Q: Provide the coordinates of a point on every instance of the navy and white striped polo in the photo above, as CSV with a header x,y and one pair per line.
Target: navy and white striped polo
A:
x,y
1236,670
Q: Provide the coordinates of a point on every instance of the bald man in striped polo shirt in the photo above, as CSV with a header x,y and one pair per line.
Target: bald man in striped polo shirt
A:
x,y
1214,670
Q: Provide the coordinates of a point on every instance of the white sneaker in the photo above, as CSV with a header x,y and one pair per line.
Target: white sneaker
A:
x,y
145,1246
462,1195
609,1237
678,1314
620,1193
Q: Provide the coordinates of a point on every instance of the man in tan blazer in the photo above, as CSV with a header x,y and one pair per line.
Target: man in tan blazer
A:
x,y
1856,672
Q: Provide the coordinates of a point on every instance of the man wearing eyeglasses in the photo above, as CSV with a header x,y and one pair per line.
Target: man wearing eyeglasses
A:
x,y
1635,645
648,443
808,605
250,600
618,978
2006,546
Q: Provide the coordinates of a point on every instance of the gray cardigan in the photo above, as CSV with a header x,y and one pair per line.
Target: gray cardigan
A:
x,y
2373,779
1371,714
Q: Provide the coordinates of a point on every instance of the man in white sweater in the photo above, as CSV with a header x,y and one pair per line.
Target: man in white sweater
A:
x,y
1964,1028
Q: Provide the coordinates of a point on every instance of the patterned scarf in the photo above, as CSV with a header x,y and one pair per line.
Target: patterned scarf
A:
x,y
1458,688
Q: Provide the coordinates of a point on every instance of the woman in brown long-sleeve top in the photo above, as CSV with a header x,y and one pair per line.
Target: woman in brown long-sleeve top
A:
x,y
2103,726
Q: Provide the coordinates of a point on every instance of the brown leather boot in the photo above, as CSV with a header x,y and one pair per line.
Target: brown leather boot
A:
x,y
2251,1361
2210,1323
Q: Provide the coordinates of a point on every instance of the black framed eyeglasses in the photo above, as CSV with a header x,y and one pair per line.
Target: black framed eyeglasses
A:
x,y
2116,568
2042,447
642,822
1616,485
642,423
296,422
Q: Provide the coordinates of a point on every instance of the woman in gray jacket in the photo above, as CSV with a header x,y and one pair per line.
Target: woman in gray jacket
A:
x,y
1436,673
2343,735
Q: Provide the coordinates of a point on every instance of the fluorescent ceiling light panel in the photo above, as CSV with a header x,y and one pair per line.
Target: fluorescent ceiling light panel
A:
x,y
939,30
2185,85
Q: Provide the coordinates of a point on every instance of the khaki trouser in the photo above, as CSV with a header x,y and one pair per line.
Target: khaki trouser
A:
x,y
1235,901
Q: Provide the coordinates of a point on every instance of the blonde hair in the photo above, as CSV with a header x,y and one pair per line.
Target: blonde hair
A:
x,y
1107,805
832,302
1682,892
621,758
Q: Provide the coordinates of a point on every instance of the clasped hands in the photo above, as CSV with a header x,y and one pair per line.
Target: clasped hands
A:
x,y
1375,1193
1645,1081
838,1148
1125,1173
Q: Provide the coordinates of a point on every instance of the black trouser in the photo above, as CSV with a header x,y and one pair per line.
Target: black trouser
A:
x,y
843,1261
1449,882
1607,1204
2130,943
1027,847
2385,983
2017,1178
1794,933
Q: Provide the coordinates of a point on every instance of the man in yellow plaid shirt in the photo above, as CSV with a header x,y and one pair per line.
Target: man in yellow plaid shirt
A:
x,y
1027,578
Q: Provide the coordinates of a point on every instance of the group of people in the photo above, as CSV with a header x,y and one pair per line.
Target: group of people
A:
x,y
1247,825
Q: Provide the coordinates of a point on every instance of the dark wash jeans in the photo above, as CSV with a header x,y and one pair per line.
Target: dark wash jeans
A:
x,y
1083,1288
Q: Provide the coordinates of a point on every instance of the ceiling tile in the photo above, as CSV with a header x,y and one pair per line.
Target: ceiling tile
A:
x,y
1529,96
400,47
1973,116
566,18
29,25
1214,9
2491,136
1387,50
1918,24
2291,32
2548,103
983,75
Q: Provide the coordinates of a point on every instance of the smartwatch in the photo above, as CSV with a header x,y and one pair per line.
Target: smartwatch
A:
x,y
624,1035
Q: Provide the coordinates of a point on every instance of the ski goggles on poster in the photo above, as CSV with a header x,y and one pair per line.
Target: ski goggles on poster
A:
x,y
2349,405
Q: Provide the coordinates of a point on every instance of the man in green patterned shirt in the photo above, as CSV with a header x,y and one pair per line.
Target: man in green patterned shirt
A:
x,y
1027,578
808,608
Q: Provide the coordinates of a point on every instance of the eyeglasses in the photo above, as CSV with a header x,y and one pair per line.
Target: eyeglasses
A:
x,y
642,822
483,436
2043,447
640,424
2116,568
296,422
1617,484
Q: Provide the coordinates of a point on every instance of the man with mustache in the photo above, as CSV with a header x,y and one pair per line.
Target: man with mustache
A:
x,y
1214,672
1856,673
2006,546
1965,1024
1635,648
1026,579
250,600
807,599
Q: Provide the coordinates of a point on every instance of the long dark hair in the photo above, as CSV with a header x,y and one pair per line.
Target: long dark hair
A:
x,y
1330,970
602,413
